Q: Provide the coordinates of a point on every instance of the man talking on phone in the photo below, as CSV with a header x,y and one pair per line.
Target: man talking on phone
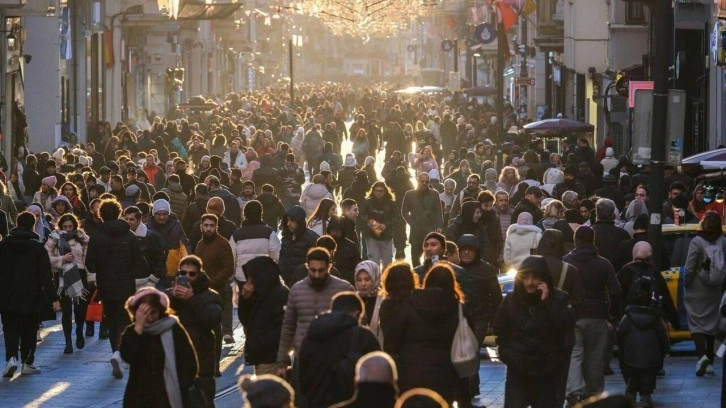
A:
x,y
531,327
200,311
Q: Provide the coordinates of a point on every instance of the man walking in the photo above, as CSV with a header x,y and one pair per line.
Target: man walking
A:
x,y
421,208
114,256
27,285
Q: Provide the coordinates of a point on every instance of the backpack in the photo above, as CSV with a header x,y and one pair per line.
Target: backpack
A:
x,y
644,287
713,268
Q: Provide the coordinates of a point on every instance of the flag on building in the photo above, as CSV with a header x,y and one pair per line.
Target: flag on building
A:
x,y
528,7
108,58
507,16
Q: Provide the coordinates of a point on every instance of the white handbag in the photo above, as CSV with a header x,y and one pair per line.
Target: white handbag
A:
x,y
465,348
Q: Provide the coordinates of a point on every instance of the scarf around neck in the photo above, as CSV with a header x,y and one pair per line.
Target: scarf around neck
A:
x,y
70,279
163,328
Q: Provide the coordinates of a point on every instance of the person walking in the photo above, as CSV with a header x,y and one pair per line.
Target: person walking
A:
x,y
161,357
66,248
421,208
703,281
200,313
532,327
25,294
303,305
114,255
380,216
297,239
261,311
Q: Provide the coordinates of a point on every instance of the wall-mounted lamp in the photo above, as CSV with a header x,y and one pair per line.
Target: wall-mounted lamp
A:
x,y
11,38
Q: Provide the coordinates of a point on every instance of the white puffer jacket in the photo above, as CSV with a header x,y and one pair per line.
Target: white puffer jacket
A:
x,y
78,249
311,197
521,239
251,241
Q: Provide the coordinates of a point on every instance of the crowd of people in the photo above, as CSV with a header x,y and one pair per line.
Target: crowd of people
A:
x,y
281,207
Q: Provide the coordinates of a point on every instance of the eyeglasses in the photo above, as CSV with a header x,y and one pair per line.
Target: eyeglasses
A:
x,y
182,272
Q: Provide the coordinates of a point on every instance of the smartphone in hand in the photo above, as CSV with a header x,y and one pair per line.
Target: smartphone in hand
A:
x,y
182,281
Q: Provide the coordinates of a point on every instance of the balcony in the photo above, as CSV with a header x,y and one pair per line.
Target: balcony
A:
x,y
207,10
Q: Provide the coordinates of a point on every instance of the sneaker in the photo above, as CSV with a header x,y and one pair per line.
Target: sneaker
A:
x,y
660,373
228,339
574,400
701,366
29,369
116,362
478,402
10,367
646,401
709,368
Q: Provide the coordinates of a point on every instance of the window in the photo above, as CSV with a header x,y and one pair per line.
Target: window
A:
x,y
634,12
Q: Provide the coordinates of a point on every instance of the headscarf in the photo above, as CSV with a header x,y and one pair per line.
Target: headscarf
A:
x,y
374,271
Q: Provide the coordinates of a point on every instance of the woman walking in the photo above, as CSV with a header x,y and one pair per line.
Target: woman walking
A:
x,y
66,248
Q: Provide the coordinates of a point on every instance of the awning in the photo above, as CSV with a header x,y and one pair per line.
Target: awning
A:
x,y
206,9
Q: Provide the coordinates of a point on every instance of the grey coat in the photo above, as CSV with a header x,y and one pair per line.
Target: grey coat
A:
x,y
304,304
701,300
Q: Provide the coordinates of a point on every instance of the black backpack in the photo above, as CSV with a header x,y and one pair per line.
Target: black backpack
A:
x,y
644,290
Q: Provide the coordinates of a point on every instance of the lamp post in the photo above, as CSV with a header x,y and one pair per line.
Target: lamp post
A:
x,y
292,72
661,10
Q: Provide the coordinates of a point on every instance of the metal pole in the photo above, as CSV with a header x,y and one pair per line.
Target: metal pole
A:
x,y
456,55
523,72
292,72
662,15
501,46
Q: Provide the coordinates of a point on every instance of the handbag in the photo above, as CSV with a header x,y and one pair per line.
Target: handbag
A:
x,y
94,310
464,348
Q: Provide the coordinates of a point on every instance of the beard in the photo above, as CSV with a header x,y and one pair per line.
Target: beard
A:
x,y
318,283
207,236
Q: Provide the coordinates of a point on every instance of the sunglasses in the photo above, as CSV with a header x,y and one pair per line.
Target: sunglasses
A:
x,y
185,273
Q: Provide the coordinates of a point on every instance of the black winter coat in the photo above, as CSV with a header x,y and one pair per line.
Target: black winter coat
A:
x,y
424,325
153,253
261,315
114,255
526,206
487,295
383,212
532,334
602,294
624,253
200,315
346,257
272,210
608,237
294,247
27,281
145,357
642,338
630,271
196,209
328,355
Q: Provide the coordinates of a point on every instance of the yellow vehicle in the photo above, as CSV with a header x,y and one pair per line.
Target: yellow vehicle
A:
x,y
676,240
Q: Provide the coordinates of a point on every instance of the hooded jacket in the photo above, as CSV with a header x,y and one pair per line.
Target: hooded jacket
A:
x,y
424,325
328,355
531,333
261,315
295,246
520,242
114,256
602,290
26,274
487,295
642,338
311,197
552,248
463,224
200,315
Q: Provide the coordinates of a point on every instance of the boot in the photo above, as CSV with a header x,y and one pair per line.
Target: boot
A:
x,y
646,401
80,340
90,329
69,347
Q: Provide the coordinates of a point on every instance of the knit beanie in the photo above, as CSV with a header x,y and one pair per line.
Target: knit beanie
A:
x,y
163,299
434,175
490,173
160,205
50,181
436,236
324,166
132,190
349,160
215,206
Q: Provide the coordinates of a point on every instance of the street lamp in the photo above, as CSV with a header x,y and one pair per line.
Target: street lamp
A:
x,y
11,39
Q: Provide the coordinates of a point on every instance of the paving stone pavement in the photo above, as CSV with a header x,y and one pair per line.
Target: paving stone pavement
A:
x,y
83,379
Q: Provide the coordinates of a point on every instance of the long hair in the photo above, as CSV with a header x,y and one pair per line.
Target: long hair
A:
x,y
321,211
710,226
381,184
68,217
503,175
442,276
399,280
